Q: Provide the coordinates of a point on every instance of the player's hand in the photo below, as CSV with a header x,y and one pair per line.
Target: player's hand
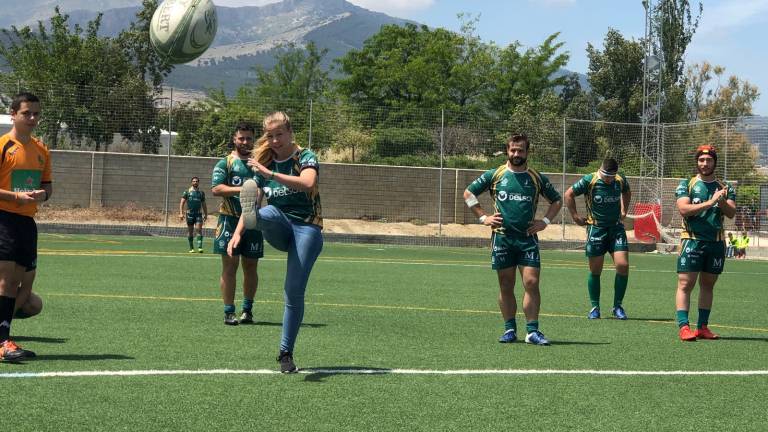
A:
x,y
535,226
261,169
26,197
580,221
493,221
233,243
39,195
181,216
719,196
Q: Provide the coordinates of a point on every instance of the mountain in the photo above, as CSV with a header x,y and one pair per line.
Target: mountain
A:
x,y
246,36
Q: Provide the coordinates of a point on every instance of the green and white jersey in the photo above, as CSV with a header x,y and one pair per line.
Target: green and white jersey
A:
x,y
603,200
195,199
299,206
231,171
707,225
515,195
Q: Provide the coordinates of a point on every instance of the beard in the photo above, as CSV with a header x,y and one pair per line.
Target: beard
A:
x,y
517,161
705,171
243,151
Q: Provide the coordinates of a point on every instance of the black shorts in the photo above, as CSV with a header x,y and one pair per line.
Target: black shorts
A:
x,y
18,239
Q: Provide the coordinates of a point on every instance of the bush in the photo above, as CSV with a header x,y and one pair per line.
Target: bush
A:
x,y
393,142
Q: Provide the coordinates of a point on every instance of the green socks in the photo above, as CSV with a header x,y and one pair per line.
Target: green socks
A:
x,y
703,318
247,305
619,289
189,239
593,286
531,326
199,242
682,318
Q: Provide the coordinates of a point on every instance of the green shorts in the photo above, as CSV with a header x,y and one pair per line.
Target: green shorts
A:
x,y
251,244
512,251
701,256
194,218
605,239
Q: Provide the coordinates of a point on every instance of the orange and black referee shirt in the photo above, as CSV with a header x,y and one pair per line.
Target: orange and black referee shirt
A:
x,y
23,168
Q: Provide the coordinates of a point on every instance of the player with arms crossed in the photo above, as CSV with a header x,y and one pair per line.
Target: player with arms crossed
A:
x,y
702,201
607,195
25,180
229,174
515,190
194,199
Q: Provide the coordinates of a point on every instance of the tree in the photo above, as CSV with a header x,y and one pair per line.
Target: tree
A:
x,y
91,86
297,76
616,77
137,47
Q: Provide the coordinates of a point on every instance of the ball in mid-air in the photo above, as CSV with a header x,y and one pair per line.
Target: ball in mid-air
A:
x,y
181,30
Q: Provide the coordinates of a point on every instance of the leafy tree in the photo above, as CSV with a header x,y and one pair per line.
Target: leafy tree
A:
x,y
297,75
92,86
616,77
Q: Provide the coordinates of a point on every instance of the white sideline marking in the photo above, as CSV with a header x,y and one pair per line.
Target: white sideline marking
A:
x,y
343,371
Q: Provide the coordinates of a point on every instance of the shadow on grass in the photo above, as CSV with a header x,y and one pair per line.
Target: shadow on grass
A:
x,y
750,339
279,324
81,357
39,339
318,374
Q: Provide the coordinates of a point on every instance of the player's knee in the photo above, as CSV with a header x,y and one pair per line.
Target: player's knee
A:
x,y
622,269
33,306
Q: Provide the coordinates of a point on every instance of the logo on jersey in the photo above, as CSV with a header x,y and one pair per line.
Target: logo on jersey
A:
x,y
608,200
717,262
504,181
504,196
696,200
278,192
237,181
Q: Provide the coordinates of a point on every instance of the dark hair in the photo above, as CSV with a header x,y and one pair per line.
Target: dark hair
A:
x,y
244,126
195,178
22,97
518,138
610,165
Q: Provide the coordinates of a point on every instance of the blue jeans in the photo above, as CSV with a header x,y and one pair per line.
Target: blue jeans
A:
x,y
303,242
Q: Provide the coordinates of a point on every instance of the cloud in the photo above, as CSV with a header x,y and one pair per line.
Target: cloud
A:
x,y
732,14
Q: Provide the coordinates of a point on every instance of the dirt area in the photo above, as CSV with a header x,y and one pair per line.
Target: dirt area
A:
x,y
132,215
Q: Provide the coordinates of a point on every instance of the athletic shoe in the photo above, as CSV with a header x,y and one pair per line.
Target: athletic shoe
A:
x,y
246,318
536,338
191,251
594,313
9,351
704,332
686,334
200,250
248,195
286,362
230,319
619,313
509,336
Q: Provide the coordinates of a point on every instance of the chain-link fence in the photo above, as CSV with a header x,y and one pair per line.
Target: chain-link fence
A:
x,y
388,173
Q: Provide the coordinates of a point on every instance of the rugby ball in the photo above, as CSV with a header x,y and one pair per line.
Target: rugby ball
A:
x,y
181,30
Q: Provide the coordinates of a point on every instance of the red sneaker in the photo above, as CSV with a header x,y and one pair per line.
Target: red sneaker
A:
x,y
704,332
9,351
686,334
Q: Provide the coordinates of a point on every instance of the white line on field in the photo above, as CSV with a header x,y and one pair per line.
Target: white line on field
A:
x,y
352,371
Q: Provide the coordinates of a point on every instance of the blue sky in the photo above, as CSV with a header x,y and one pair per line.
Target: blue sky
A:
x,y
729,34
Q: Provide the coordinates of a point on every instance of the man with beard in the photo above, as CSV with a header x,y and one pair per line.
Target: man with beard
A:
x,y
194,199
515,190
607,195
702,201
229,174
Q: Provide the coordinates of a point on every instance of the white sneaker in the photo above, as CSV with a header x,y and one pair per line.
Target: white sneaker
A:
x,y
248,197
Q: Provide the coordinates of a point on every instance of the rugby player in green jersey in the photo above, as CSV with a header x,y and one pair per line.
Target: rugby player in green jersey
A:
x,y
515,190
702,201
291,221
229,174
607,196
194,199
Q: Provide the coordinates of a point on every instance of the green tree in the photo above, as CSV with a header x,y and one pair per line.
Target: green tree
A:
x,y
91,87
616,77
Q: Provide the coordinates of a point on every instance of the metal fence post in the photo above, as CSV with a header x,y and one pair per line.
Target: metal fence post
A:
x,y
725,173
309,139
440,186
168,160
562,214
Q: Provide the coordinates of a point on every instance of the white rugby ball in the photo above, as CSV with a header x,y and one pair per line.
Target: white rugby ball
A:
x,y
181,30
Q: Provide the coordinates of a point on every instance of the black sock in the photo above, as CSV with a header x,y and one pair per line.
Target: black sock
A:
x,y
7,304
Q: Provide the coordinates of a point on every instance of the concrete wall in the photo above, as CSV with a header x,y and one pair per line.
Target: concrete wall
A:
x,y
393,194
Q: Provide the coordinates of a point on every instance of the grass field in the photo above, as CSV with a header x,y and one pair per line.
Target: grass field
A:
x,y
394,338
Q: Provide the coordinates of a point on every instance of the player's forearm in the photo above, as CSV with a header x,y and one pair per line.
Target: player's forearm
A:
x,y
554,209
225,191
729,209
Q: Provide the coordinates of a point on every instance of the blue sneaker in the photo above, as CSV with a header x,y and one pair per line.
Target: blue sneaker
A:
x,y
536,338
594,313
509,336
249,195
619,313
